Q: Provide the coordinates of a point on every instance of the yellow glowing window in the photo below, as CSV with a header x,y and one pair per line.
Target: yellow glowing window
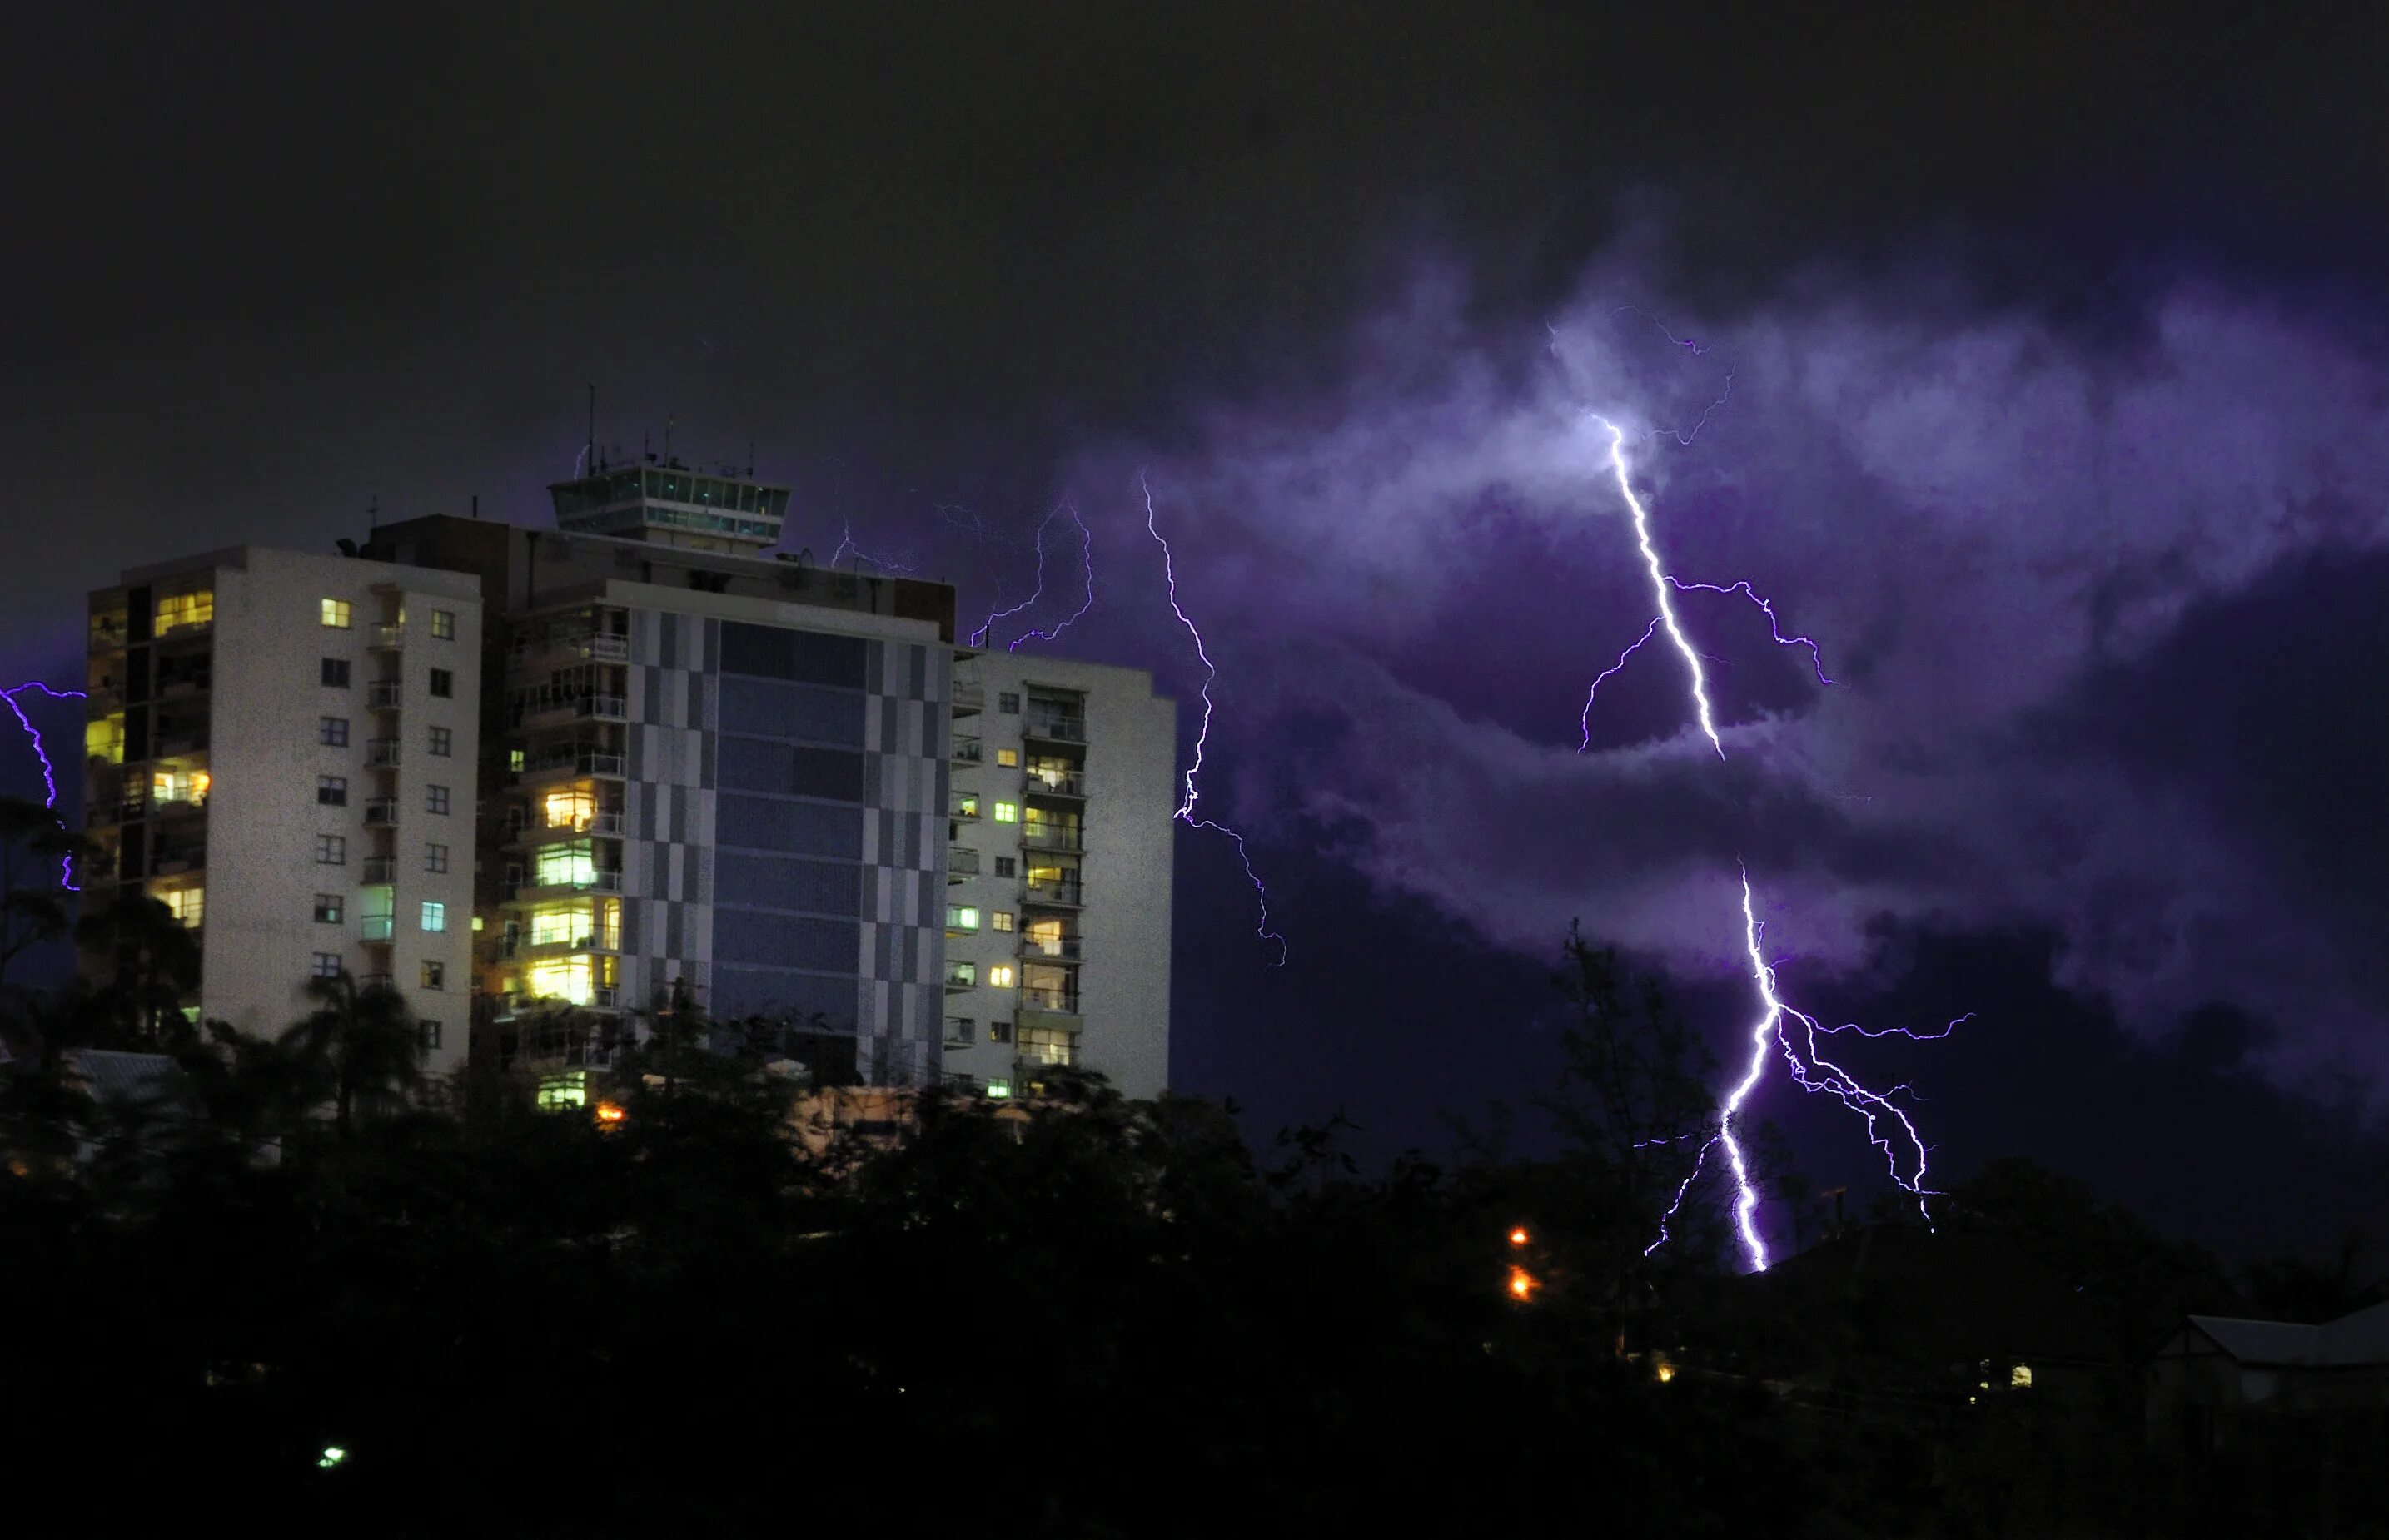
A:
x,y
176,611
1045,876
179,786
569,809
1007,812
962,917
559,925
966,805
1046,936
187,904
999,919
1002,976
999,1087
1007,757
515,759
557,1093
564,978
335,614
2019,1377
105,739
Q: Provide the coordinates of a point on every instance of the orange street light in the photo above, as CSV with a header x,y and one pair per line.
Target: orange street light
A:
x,y
1518,1236
609,1114
1522,1283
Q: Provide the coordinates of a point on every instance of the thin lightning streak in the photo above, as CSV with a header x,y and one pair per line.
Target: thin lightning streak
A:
x,y
1913,1035
49,777
1775,625
846,543
1087,556
1605,673
1682,1187
1659,586
1186,813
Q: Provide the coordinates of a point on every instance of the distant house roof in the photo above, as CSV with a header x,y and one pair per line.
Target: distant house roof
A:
x,y
2355,1341
117,1079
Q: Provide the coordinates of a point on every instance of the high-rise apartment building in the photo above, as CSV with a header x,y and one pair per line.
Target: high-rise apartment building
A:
x,y
1058,880
782,793
282,749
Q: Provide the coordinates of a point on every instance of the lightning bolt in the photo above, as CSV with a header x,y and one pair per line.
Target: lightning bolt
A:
x,y
1186,813
1810,1068
846,543
49,776
1087,559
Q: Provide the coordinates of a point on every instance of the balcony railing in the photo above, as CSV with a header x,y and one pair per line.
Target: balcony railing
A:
x,y
1056,726
377,927
966,751
1046,997
1053,837
961,1032
1054,783
962,807
383,694
1052,893
609,707
368,983
381,751
171,746
387,637
380,870
961,975
595,644
583,762
107,635
969,697
960,862
165,863
381,813
1063,948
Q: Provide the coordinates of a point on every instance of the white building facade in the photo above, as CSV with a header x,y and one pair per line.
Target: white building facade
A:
x,y
282,749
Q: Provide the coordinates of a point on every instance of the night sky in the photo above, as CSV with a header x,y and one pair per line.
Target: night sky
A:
x,y
2034,365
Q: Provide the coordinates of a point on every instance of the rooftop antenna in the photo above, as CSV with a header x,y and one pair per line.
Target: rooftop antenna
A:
x,y
373,510
669,420
477,505
591,467
750,459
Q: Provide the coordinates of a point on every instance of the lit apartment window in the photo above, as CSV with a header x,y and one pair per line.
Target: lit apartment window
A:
x,y
1008,702
1007,759
435,799
962,917
999,1032
1007,812
431,1035
999,919
435,976
332,732
180,786
1041,1045
1002,976
332,791
443,743
435,858
999,1089
443,682
335,614
330,909
1005,866
444,625
326,965
176,611
515,761
960,1030
963,976
187,904
336,673
435,917
331,850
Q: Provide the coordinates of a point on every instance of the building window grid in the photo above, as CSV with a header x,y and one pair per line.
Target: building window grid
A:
x,y
332,732
435,799
334,673
332,791
435,858
331,850
335,614
444,625
330,908
326,965
443,742
443,682
435,975
434,917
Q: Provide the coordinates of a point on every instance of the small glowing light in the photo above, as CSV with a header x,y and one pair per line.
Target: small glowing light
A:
x,y
1518,1236
1522,1283
1667,1372
2020,1378
610,1112
333,1454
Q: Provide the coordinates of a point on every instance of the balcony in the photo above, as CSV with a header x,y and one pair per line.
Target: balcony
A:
x,y
173,746
381,813
377,928
175,687
532,887
383,694
597,645
960,862
1053,837
576,762
521,945
1059,894
1049,999
610,823
387,637
106,633
961,1032
381,751
966,751
166,862
1053,948
1054,727
962,809
380,871
969,697
961,975
1069,783
603,707
368,983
